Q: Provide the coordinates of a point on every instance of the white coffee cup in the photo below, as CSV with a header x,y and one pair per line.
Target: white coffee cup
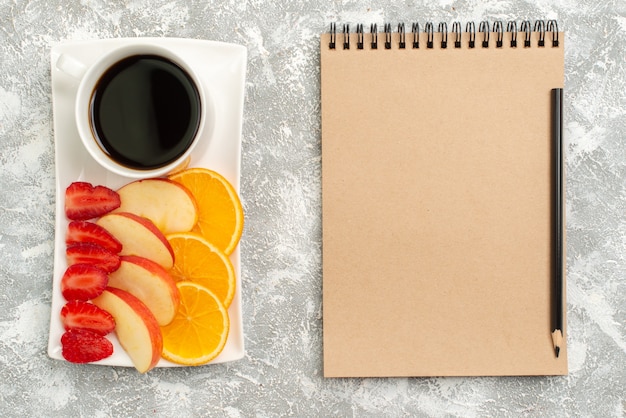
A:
x,y
90,75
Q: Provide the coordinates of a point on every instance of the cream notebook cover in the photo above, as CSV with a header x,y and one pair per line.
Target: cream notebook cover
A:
x,y
436,188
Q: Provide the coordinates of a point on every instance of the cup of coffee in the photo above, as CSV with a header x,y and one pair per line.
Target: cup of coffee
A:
x,y
140,109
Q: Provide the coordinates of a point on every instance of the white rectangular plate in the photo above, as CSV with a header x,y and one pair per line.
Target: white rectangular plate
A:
x,y
222,68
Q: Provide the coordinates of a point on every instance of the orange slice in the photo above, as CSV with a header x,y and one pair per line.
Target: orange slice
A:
x,y
200,328
199,261
220,214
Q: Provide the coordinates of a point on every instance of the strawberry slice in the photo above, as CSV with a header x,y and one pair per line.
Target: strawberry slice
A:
x,y
89,253
84,346
84,201
78,314
83,281
85,231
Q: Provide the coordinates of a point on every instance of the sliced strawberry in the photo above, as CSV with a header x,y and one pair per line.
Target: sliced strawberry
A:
x,y
89,253
85,231
84,346
84,201
83,281
78,314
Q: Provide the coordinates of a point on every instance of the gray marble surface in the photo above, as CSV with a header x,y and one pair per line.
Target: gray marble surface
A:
x,y
281,374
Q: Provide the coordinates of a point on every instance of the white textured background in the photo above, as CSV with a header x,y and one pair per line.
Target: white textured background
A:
x,y
281,374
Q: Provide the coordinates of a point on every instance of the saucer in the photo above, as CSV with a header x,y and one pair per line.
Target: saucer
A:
x,y
221,67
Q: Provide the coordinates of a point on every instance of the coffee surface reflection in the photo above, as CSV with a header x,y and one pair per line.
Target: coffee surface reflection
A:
x,y
145,111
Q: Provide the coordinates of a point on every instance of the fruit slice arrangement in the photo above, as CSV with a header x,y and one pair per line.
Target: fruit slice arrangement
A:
x,y
150,263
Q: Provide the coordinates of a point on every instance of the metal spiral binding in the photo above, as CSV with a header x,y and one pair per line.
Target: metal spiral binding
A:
x,y
526,30
471,29
387,30
415,28
456,28
359,36
554,28
402,42
443,29
429,32
498,30
387,35
333,36
484,28
346,36
511,27
374,32
540,26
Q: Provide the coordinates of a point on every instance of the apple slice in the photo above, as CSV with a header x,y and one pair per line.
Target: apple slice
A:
x,y
150,283
139,236
136,328
168,204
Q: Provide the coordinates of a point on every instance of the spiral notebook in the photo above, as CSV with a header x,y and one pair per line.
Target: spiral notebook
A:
x,y
437,194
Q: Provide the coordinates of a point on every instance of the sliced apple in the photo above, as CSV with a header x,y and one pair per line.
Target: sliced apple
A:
x,y
150,283
139,236
169,205
136,328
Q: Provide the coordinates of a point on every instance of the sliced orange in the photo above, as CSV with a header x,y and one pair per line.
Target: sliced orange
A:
x,y
220,214
200,328
199,261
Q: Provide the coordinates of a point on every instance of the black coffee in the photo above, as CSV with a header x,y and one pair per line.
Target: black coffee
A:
x,y
145,111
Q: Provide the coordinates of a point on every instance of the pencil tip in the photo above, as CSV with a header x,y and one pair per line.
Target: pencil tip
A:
x,y
557,350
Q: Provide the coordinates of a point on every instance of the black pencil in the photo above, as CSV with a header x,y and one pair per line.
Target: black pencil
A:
x,y
557,286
